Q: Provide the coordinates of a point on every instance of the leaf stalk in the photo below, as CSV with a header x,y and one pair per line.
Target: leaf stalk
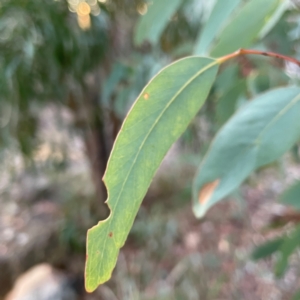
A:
x,y
257,52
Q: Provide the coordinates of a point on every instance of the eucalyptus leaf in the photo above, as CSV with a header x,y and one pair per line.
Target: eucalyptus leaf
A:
x,y
151,25
244,27
267,249
274,19
219,15
227,103
258,134
158,117
286,249
226,78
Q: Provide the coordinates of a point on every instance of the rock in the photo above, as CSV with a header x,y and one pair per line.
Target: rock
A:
x,y
42,282
27,238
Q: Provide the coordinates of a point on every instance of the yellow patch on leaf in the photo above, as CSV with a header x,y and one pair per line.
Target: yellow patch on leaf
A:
x,y
207,191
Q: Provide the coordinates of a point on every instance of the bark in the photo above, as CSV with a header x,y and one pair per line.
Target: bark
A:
x,y
97,152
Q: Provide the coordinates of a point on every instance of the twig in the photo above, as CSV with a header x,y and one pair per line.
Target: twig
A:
x,y
257,52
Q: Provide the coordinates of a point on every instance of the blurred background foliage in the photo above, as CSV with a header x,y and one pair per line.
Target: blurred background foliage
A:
x,y
69,72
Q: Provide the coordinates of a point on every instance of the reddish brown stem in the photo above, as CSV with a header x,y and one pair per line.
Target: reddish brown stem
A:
x,y
257,52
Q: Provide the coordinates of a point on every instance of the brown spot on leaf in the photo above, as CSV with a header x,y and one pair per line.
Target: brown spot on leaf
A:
x,y
146,96
207,191
110,234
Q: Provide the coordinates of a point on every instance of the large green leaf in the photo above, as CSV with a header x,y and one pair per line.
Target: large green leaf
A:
x,y
159,116
245,26
221,11
259,133
151,25
291,196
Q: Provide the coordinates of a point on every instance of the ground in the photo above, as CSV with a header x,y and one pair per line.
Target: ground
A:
x,y
169,254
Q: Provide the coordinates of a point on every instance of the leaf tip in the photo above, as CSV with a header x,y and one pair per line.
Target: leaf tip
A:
x,y
89,284
89,289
